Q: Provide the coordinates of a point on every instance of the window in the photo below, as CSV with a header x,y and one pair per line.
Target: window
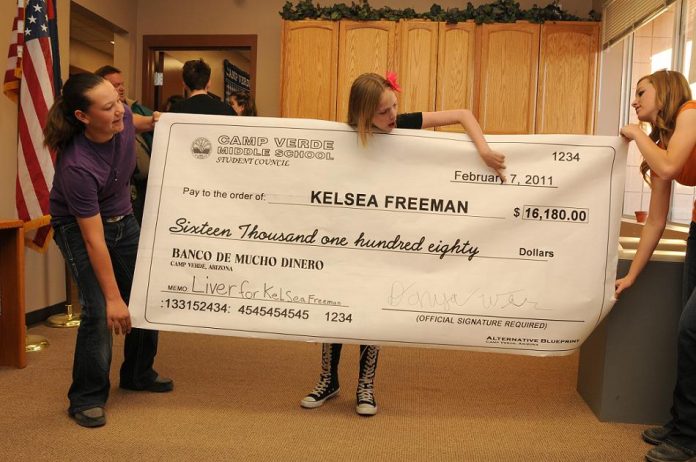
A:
x,y
689,66
652,51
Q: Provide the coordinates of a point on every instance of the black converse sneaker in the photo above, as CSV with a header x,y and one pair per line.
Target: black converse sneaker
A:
x,y
366,401
365,394
328,380
325,389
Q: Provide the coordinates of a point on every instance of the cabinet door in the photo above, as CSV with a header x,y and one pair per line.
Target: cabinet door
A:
x,y
508,72
363,47
455,69
567,73
309,62
417,44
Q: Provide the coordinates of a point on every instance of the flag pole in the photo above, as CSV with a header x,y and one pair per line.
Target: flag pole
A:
x,y
11,88
67,319
34,343
39,55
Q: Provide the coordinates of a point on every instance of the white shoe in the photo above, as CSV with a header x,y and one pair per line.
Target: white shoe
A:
x,y
366,409
317,397
366,401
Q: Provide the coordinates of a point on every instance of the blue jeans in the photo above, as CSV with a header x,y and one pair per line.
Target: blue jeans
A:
x,y
683,424
92,361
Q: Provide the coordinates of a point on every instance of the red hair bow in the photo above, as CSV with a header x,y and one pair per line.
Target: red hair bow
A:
x,y
391,80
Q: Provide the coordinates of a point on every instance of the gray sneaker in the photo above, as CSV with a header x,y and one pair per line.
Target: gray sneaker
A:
x,y
92,417
667,452
656,435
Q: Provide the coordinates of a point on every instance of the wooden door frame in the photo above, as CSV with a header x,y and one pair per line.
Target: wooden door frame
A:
x,y
154,43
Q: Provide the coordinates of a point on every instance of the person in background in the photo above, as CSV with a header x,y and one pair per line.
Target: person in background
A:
x,y
243,103
196,74
663,100
93,135
372,109
143,141
171,101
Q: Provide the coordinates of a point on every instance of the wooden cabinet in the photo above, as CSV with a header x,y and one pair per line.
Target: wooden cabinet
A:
x,y
309,63
455,68
516,78
418,51
567,75
12,323
363,46
509,59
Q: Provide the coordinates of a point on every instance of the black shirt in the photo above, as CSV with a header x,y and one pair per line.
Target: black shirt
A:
x,y
410,120
203,104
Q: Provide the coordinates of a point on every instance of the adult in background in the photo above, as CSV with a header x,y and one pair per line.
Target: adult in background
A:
x,y
242,103
663,100
143,141
196,75
93,134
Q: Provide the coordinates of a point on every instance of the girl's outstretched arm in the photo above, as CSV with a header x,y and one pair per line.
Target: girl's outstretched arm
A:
x,y
493,159
652,231
117,314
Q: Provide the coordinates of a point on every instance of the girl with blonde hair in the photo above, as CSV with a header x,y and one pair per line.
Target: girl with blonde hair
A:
x,y
372,109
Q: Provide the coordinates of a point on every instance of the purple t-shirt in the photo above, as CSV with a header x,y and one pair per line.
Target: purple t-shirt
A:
x,y
94,178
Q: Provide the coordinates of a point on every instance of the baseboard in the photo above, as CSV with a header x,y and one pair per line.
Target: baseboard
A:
x,y
41,315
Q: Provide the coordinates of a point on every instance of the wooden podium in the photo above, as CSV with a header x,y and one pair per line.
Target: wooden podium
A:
x,y
12,323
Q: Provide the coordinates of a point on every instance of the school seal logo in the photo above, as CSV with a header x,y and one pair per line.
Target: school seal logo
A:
x,y
201,147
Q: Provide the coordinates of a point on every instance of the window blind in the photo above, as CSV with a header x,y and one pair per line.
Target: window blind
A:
x,y
621,17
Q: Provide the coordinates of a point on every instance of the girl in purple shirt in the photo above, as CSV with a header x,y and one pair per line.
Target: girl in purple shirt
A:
x,y
93,134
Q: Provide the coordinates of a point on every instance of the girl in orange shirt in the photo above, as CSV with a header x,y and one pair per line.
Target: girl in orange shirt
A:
x,y
663,99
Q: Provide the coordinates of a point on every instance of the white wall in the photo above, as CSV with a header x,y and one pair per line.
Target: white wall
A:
x,y
87,58
609,97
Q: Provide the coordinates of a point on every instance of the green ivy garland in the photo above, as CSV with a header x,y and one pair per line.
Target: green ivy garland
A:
x,y
497,11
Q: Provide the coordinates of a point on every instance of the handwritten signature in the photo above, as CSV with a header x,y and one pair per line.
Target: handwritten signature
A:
x,y
406,294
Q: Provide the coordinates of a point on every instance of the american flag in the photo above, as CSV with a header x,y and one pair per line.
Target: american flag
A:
x,y
13,73
40,83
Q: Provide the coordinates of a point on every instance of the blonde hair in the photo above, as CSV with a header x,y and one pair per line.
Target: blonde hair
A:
x,y
671,92
363,102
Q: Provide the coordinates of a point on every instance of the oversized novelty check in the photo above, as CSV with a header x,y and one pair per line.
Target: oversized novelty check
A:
x,y
290,229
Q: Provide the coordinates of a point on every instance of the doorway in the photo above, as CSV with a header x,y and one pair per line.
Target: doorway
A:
x,y
164,55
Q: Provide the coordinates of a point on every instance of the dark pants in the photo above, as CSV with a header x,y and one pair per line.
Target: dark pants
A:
x,y
92,361
683,424
138,190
